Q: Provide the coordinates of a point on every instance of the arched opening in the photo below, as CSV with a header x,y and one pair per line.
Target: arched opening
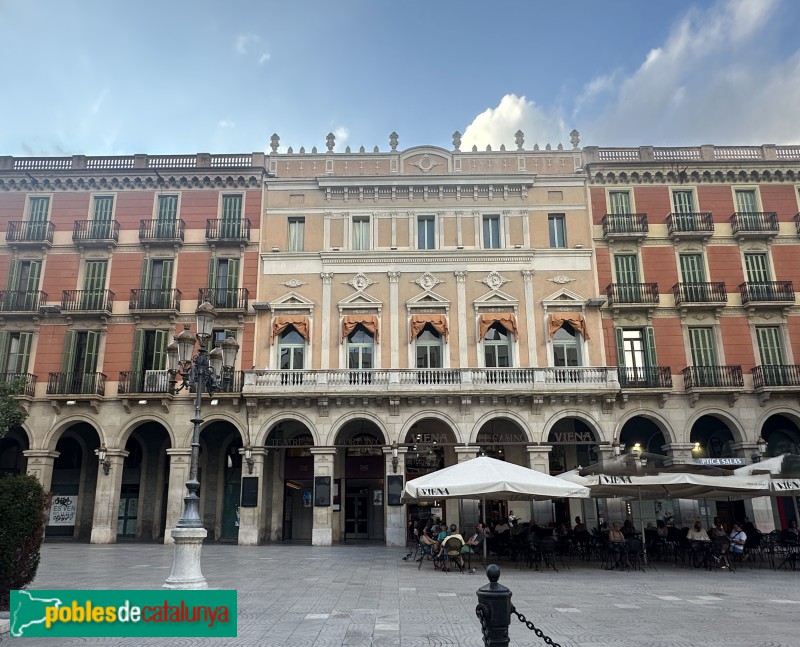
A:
x,y
430,445
640,434
219,499
12,446
712,438
783,437
573,443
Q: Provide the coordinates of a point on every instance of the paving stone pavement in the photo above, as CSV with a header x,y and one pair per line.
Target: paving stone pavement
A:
x,y
365,595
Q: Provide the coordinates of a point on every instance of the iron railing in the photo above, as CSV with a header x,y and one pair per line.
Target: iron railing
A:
x,y
87,300
767,291
224,229
26,380
632,293
624,223
224,298
713,376
143,382
776,375
76,384
95,231
699,222
24,231
21,300
656,377
161,230
754,222
704,292
155,300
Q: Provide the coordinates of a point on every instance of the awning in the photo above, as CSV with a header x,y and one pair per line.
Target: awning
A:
x,y
370,322
574,319
279,324
505,319
438,322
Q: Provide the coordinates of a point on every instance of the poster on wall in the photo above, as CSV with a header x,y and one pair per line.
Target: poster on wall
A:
x,y
377,497
664,511
63,510
307,498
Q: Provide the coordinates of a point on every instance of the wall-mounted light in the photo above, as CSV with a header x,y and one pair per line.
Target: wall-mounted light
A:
x,y
395,460
293,485
142,401
696,447
71,403
102,456
248,457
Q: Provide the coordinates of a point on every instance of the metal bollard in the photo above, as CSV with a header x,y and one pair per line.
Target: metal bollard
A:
x,y
494,609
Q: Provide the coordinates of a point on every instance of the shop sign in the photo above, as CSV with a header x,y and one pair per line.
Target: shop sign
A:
x,y
719,461
613,480
488,438
572,437
428,439
785,485
63,510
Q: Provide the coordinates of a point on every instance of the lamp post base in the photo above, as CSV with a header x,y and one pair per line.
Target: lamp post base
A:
x,y
186,573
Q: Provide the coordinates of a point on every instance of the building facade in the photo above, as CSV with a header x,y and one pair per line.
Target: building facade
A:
x,y
397,311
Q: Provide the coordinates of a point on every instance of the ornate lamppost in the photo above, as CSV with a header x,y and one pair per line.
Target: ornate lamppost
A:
x,y
202,372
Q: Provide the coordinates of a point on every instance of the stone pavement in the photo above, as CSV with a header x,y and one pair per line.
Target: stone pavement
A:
x,y
357,595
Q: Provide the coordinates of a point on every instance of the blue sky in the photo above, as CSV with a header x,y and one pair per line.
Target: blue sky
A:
x,y
97,78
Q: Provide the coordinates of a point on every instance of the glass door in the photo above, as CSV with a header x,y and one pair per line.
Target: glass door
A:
x,y
356,510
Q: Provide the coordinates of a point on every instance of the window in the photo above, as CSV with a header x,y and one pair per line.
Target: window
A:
x,y
156,283
23,285
558,230
566,351
636,357
15,350
491,232
756,268
102,210
361,233
360,349
223,282
497,347
231,221
428,345
627,287
79,362
38,208
291,350
620,202
701,341
746,201
683,202
770,349
693,277
296,230
94,285
148,369
426,232
166,216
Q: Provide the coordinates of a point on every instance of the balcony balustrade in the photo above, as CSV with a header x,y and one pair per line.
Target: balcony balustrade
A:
x,y
767,292
170,232
700,293
776,375
138,382
225,298
657,377
95,232
636,294
76,384
24,232
23,301
713,377
27,382
155,300
224,230
697,224
757,224
87,301
624,226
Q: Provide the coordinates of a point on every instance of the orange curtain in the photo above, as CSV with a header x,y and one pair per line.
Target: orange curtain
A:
x,y
505,319
574,319
370,322
279,324
418,322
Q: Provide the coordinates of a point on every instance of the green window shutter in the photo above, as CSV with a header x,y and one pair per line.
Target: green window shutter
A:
x,y
213,272
33,276
138,355
13,276
692,270
627,268
103,207
650,348
756,268
746,201
160,350
167,208
620,348
95,278
38,209
769,345
147,272
702,342
166,276
620,202
25,340
92,345
231,207
5,340
233,273
682,201
68,359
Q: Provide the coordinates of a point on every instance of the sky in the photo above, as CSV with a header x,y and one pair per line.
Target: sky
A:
x,y
176,77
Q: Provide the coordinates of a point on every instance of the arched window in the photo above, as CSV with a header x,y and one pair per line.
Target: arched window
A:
x,y
360,349
429,348
566,350
497,347
291,350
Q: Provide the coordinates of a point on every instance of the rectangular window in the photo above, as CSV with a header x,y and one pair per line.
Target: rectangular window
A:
x,y
361,233
79,362
683,202
701,341
558,230
223,282
166,216
102,210
636,356
620,202
426,232
38,209
94,285
231,221
491,232
756,268
770,346
23,285
156,283
15,349
692,268
746,201
296,234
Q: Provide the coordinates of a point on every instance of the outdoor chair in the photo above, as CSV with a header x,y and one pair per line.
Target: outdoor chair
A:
x,y
719,554
546,550
633,554
452,554
425,553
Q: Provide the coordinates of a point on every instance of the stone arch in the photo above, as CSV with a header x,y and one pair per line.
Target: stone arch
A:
x,y
791,414
267,427
52,437
656,418
733,424
336,430
186,441
584,417
642,433
781,438
499,414
133,425
428,414
12,448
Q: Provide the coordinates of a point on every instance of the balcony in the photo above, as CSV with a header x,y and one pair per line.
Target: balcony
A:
x,y
228,231
95,233
159,232
32,234
140,382
716,377
697,225
632,294
155,301
21,301
224,298
26,381
754,224
700,295
777,375
625,226
76,384
87,301
767,293
657,377
797,223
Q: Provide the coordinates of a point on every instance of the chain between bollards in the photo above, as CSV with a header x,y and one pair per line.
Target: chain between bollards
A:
x,y
539,633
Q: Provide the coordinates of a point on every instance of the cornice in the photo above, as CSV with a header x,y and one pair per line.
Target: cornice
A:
x,y
677,173
71,181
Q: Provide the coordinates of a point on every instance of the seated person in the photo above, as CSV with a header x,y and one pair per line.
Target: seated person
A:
x,y
616,544
718,530
791,532
661,529
696,532
700,542
579,525
738,539
475,541
455,535
627,529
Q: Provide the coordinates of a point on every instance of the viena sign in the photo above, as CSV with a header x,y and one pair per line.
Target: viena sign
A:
x,y
719,461
433,491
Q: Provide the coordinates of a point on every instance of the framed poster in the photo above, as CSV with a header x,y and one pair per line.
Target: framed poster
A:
x,y
249,491
394,489
63,510
377,497
322,491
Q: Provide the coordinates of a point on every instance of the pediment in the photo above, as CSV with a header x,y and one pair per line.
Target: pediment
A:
x,y
428,299
360,300
427,160
291,300
564,299
495,299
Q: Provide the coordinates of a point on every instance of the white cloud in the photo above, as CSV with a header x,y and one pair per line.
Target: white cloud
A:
x,y
342,134
264,58
243,42
496,126
225,123
98,102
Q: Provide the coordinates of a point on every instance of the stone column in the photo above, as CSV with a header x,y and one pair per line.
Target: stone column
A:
x,y
106,499
252,521
179,463
394,515
679,453
461,304
530,323
322,528
539,461
40,465
394,331
325,350
759,510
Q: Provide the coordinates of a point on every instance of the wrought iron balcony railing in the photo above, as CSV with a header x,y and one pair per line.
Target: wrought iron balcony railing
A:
x,y
692,223
165,231
143,382
87,301
776,375
632,294
657,377
228,230
224,298
707,292
797,223
754,222
767,292
155,300
24,231
21,300
95,231
27,382
713,376
625,225
76,384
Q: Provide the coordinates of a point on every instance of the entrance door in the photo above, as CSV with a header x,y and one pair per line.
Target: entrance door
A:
x,y
356,510
230,509
128,512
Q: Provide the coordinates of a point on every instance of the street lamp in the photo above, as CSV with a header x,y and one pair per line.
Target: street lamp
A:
x,y
203,371
395,460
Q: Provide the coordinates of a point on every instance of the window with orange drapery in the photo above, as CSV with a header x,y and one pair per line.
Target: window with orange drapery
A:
x,y
574,319
281,323
505,319
370,322
438,322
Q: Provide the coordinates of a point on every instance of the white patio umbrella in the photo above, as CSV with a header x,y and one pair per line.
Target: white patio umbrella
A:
x,y
784,476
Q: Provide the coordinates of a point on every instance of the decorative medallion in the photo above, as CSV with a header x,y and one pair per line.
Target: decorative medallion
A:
x,y
494,281
294,283
360,282
427,281
426,164
561,279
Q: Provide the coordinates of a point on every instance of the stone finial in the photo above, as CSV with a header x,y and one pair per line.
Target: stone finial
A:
x,y
503,147
330,142
474,148
536,147
548,147
302,150
274,142
393,141
376,150
456,141
574,139
314,150
347,149
289,150
361,150
519,139
560,147
488,147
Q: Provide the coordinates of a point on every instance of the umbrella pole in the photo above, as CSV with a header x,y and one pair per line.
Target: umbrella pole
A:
x,y
705,504
485,538
641,528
